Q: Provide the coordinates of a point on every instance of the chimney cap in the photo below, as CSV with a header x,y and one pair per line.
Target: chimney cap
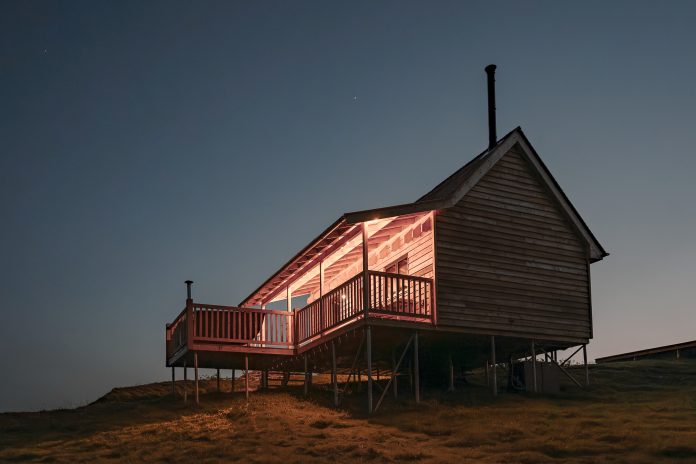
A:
x,y
490,68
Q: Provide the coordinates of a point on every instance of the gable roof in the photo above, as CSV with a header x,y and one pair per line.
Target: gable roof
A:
x,y
450,191
445,195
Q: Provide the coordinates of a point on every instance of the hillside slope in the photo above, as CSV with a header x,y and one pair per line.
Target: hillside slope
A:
x,y
634,412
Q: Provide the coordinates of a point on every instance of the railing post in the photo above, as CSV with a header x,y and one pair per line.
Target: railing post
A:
x,y
366,280
433,282
291,326
189,315
321,296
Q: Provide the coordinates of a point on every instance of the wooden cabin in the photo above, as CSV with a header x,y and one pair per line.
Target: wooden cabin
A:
x,y
493,264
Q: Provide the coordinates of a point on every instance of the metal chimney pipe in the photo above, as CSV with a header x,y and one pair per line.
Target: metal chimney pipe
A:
x,y
188,289
492,136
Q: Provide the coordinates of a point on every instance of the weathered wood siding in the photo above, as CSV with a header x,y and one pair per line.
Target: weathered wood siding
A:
x,y
508,262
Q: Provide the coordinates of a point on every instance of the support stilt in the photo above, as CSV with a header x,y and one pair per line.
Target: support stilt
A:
x,y
396,369
173,383
488,375
494,378
368,335
306,377
395,375
535,387
416,370
185,389
234,374
218,380
246,376
195,373
334,376
451,375
587,369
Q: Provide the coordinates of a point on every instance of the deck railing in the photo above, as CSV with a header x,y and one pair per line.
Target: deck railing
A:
x,y
400,295
230,324
177,333
333,309
390,296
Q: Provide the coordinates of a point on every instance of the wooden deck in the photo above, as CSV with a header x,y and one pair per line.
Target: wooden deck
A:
x,y
228,336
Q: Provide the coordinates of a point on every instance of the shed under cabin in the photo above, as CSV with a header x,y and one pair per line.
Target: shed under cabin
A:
x,y
490,267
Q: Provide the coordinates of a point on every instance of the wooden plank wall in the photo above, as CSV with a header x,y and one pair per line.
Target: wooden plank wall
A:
x,y
508,261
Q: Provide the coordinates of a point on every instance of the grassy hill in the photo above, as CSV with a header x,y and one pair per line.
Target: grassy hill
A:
x,y
639,412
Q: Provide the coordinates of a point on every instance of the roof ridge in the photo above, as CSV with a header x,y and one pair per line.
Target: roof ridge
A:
x,y
432,194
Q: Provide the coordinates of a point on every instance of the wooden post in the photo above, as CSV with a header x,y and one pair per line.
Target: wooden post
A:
x,y
334,376
246,376
306,376
395,375
366,281
587,369
195,372
488,375
410,375
321,295
218,380
185,390
451,374
535,388
494,380
368,352
173,383
291,322
677,353
416,370
190,332
234,373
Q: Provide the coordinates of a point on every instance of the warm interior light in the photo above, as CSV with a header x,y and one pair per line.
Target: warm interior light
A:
x,y
343,296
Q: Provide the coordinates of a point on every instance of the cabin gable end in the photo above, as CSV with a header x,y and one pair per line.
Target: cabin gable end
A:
x,y
510,260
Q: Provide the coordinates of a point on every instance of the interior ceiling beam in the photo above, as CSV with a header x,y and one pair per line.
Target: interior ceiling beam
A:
x,y
330,255
376,247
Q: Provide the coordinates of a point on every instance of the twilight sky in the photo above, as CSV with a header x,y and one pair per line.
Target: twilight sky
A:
x,y
145,143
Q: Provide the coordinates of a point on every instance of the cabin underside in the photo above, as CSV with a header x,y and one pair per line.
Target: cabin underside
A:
x,y
468,350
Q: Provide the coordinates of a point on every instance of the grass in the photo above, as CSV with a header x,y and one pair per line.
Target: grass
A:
x,y
639,412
